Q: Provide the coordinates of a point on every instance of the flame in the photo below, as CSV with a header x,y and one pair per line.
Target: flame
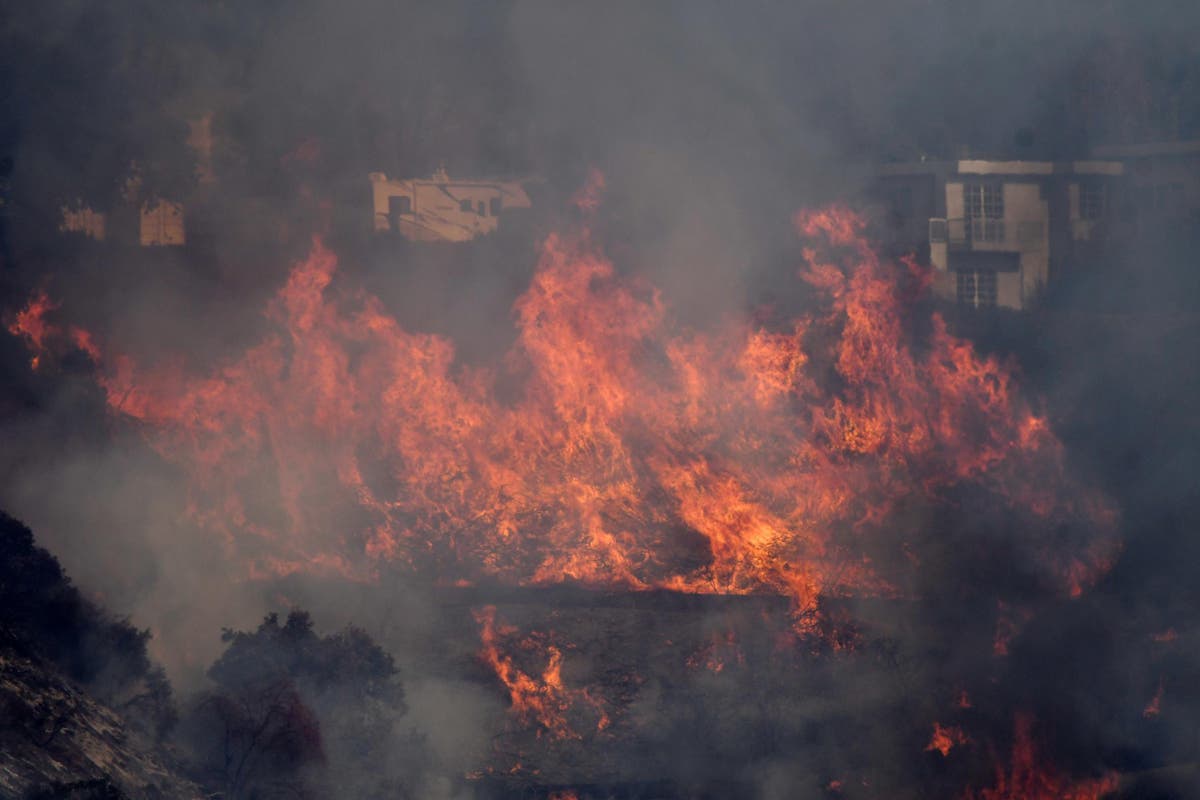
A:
x,y
945,738
542,701
1027,778
1009,622
30,325
752,457
1154,707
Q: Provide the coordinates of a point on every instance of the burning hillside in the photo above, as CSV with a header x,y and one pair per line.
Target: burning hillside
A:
x,y
610,449
654,401
614,449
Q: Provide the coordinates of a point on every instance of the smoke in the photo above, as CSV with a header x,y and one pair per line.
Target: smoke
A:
x,y
712,123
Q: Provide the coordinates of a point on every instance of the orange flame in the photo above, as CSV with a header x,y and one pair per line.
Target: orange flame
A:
x,y
945,738
31,325
543,701
743,459
1028,779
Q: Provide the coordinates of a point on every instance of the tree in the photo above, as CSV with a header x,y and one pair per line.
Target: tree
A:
x,y
255,741
294,713
43,615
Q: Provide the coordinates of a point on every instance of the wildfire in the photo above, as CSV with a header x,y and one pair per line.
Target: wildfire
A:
x,y
1028,778
748,458
754,456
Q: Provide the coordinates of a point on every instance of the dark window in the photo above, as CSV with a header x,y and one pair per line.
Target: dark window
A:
x,y
399,204
977,288
496,204
937,231
465,206
900,205
482,208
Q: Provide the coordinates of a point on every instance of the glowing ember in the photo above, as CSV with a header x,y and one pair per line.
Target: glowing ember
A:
x,y
1154,707
1164,637
719,651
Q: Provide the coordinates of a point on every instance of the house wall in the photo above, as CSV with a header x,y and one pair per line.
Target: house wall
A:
x,y
1027,221
437,214
161,223
84,220
1026,226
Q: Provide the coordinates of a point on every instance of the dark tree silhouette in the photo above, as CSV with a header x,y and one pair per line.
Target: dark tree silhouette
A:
x,y
43,615
294,714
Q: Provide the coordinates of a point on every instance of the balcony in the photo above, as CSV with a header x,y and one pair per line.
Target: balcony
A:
x,y
983,233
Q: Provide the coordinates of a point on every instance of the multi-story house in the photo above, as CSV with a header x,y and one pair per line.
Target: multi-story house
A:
x,y
997,231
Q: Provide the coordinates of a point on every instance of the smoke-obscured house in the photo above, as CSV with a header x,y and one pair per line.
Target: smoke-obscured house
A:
x,y
441,208
151,220
1162,183
159,223
997,231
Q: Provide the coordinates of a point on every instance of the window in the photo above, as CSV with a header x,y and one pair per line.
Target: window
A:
x,y
482,208
937,231
977,289
1092,202
466,206
496,204
983,205
399,204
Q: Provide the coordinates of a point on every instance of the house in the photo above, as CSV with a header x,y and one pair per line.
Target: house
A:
x,y
83,220
997,231
443,209
161,222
